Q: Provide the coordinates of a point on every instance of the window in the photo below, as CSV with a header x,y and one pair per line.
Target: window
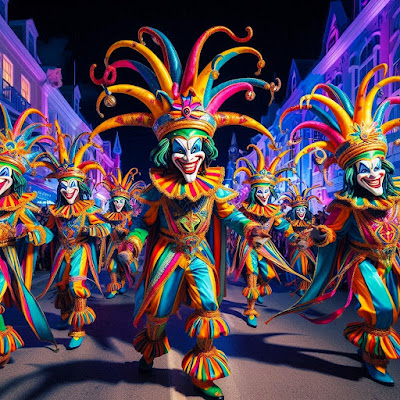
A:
x,y
7,70
396,68
337,81
333,35
294,82
25,89
363,3
2,9
31,44
369,58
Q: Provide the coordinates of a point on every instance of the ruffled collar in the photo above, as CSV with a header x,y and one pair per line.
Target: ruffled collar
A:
x,y
363,203
116,216
12,202
172,184
267,211
300,223
71,210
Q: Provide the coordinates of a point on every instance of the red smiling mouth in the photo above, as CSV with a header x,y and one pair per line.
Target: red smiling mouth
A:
x,y
374,183
188,167
70,195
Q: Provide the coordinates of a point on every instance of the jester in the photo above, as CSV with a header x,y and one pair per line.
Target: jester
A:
x,y
360,239
18,224
261,262
119,215
186,199
300,217
78,223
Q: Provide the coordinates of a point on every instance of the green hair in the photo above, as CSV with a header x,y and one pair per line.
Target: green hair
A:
x,y
161,155
351,188
19,183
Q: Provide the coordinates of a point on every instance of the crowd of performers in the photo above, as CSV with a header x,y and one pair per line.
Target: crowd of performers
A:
x,y
185,211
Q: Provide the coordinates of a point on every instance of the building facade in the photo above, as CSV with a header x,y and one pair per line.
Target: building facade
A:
x,y
25,83
351,46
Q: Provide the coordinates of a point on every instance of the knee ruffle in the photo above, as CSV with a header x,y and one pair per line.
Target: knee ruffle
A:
x,y
206,325
9,341
151,348
264,290
206,366
81,314
251,293
378,342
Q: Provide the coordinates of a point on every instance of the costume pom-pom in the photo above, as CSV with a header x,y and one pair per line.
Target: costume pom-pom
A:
x,y
80,318
206,325
151,348
251,293
9,341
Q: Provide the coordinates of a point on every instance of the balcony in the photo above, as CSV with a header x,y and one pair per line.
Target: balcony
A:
x,y
12,97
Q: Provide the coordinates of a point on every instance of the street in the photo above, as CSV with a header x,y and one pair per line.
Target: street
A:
x,y
288,359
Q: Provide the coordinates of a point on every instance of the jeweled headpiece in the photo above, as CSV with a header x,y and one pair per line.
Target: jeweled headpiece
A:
x,y
69,161
180,98
16,142
354,131
119,186
295,198
262,175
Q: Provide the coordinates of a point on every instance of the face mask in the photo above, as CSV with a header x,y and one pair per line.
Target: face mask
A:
x,y
70,190
119,203
262,194
6,179
187,156
301,212
370,175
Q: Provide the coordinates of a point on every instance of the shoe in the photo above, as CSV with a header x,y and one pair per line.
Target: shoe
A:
x,y
111,295
75,343
260,300
122,290
252,321
145,368
377,375
209,390
62,324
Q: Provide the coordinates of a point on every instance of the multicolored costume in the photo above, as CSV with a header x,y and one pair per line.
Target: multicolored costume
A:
x,y
119,216
186,200
302,260
360,239
78,222
18,225
261,262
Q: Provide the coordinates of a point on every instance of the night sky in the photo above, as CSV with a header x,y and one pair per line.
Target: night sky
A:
x,y
282,30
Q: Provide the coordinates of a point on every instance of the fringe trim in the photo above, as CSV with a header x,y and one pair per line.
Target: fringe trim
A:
x,y
252,311
10,341
63,300
330,236
206,325
378,343
264,290
151,348
206,366
251,293
80,318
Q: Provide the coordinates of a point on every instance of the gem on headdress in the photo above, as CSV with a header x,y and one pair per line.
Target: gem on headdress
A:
x,y
110,101
250,95
186,111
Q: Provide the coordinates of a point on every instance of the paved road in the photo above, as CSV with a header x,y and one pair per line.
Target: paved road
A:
x,y
288,359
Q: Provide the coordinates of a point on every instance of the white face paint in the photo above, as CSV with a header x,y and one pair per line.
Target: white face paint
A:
x,y
370,175
6,179
301,212
69,189
262,194
187,155
119,203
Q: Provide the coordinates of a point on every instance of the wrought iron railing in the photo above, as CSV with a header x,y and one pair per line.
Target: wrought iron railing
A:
x,y
10,95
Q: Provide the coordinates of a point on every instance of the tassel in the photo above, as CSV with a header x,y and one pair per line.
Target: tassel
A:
x,y
378,342
206,366
10,341
151,348
206,325
114,285
251,293
264,290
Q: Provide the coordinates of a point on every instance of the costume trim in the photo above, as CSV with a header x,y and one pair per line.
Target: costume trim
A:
x,y
73,210
12,202
267,211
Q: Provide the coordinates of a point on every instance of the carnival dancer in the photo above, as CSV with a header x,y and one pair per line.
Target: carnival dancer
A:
x,y
302,260
360,238
18,223
260,263
186,199
119,215
78,222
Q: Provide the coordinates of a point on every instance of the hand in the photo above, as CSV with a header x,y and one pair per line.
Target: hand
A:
x,y
317,235
257,237
302,244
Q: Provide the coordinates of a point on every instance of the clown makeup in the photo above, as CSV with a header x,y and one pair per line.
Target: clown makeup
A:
x,y
370,175
301,212
6,179
262,194
69,188
119,203
187,155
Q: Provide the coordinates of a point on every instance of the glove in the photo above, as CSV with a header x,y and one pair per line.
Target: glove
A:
x,y
317,235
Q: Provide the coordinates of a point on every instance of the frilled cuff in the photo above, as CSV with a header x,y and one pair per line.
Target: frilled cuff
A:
x,y
37,236
151,348
99,230
9,341
206,325
136,243
329,238
247,231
